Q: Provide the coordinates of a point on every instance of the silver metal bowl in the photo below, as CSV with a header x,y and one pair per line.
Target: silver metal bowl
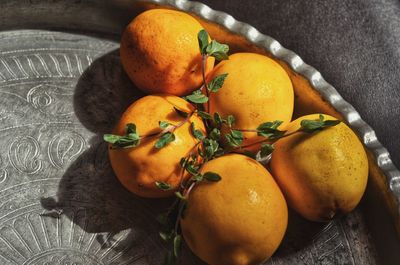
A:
x,y
62,87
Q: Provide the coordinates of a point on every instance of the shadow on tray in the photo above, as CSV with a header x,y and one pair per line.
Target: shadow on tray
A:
x,y
89,194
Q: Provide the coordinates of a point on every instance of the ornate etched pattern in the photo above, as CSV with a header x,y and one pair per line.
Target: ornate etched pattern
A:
x,y
59,200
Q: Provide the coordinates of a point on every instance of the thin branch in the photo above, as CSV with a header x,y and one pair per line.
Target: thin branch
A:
x,y
203,72
169,128
267,140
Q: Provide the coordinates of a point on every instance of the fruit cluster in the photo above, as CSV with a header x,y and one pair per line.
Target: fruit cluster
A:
x,y
199,132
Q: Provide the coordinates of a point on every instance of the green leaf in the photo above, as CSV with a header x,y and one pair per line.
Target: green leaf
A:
x,y
219,152
311,126
331,123
270,130
269,125
266,149
117,141
218,119
164,140
202,37
217,50
177,245
217,82
211,176
230,120
198,177
181,113
234,138
130,128
193,170
183,161
210,147
180,195
163,124
163,185
197,97
131,139
196,133
204,115
111,138
215,134
167,236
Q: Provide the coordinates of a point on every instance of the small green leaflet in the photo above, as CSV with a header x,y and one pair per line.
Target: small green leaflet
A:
x,y
266,149
197,97
181,113
192,169
210,147
163,185
211,176
163,124
179,195
130,128
230,120
217,50
165,139
196,133
310,126
218,119
131,139
202,37
198,178
204,115
177,245
217,82
215,134
166,236
234,138
270,130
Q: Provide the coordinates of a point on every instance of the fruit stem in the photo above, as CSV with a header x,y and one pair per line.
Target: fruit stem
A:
x,y
265,140
169,128
203,72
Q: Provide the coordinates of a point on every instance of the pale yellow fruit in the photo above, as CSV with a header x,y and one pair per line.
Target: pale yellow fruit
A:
x,y
322,174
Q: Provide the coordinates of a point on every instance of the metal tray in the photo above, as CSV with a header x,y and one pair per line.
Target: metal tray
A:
x,y
62,87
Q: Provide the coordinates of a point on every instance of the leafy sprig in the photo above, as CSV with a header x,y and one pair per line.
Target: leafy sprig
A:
x,y
213,48
310,126
129,140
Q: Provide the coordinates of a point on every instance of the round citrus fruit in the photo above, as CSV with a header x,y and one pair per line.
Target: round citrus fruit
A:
x,y
238,220
321,174
139,168
256,90
160,52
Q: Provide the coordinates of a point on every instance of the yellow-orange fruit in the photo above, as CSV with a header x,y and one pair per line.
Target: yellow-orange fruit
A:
x,y
239,220
160,52
140,167
256,90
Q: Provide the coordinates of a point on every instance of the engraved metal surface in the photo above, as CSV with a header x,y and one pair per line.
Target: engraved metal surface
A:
x,y
60,202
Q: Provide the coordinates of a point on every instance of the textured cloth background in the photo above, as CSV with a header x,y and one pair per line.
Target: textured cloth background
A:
x,y
355,44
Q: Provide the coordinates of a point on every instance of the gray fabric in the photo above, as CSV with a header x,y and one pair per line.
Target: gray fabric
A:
x,y
355,44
